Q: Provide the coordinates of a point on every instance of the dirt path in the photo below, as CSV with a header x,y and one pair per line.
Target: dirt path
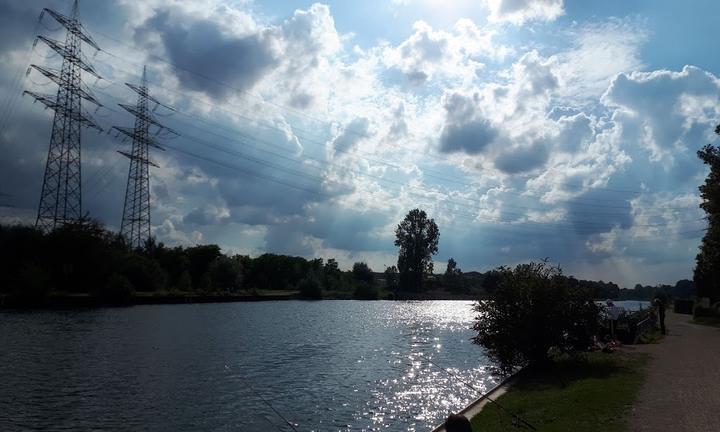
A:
x,y
682,391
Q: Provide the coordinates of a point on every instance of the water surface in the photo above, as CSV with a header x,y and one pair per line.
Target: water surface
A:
x,y
329,365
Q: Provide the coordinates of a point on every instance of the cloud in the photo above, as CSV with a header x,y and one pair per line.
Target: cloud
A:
x,y
349,137
430,53
668,113
221,50
422,50
520,11
471,137
522,159
330,144
599,51
213,52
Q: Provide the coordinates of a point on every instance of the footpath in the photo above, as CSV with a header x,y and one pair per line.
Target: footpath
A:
x,y
682,390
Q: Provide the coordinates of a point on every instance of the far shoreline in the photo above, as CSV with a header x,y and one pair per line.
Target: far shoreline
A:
x,y
64,301
79,300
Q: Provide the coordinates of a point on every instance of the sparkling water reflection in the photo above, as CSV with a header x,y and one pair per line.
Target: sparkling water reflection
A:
x,y
331,365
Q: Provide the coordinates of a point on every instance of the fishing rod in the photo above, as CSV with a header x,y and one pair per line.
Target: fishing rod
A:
x,y
259,396
468,385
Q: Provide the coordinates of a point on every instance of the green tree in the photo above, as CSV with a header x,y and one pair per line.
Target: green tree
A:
x,y
199,259
391,279
417,237
226,274
453,278
490,281
534,310
310,287
707,262
452,268
364,280
117,291
331,275
363,273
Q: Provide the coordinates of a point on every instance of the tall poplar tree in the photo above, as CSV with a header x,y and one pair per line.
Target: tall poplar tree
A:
x,y
707,269
417,237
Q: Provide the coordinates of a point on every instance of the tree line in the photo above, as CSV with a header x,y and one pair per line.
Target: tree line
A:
x,y
87,259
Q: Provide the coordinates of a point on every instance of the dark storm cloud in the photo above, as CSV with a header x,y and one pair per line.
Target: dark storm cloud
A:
x,y
205,48
348,229
520,160
465,130
19,22
471,138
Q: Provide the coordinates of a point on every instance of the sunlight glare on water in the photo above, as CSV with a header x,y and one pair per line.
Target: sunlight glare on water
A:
x,y
326,366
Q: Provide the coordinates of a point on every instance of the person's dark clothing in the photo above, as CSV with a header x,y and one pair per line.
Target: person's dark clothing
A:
x,y
457,423
661,314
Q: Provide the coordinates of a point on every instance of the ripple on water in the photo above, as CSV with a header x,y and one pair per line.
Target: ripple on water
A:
x,y
333,365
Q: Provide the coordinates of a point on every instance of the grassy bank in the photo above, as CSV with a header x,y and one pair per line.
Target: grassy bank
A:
x,y
708,321
571,395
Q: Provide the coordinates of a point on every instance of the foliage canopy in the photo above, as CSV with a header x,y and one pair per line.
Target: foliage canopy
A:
x,y
707,268
417,237
533,310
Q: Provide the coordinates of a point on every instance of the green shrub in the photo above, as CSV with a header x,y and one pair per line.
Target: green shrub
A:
x,y
683,306
700,311
117,291
533,310
32,284
365,291
143,273
310,287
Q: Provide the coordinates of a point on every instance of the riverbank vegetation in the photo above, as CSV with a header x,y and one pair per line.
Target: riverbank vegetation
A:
x,y
86,264
592,392
535,312
77,261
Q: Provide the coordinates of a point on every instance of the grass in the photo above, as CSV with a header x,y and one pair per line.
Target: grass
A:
x,y
590,394
708,321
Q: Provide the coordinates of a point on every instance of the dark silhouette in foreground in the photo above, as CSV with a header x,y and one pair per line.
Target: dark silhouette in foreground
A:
x,y
707,263
457,423
660,305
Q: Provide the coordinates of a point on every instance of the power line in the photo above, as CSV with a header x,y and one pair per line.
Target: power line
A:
x,y
320,179
385,180
290,109
265,142
534,227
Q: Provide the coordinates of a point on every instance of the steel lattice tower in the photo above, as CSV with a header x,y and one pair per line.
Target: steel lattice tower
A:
x,y
61,196
135,227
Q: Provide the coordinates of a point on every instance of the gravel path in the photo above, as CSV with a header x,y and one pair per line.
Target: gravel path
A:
x,y
682,390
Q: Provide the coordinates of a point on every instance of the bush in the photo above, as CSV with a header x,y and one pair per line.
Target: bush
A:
x,y
362,273
117,291
534,309
32,284
365,291
143,273
700,311
683,306
310,287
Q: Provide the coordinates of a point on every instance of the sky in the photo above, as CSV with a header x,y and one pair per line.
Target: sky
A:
x,y
528,129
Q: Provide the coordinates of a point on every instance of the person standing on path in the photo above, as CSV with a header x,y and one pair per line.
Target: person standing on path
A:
x,y
660,304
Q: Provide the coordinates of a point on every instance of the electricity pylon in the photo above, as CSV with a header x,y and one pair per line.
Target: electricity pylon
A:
x,y
135,226
61,196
